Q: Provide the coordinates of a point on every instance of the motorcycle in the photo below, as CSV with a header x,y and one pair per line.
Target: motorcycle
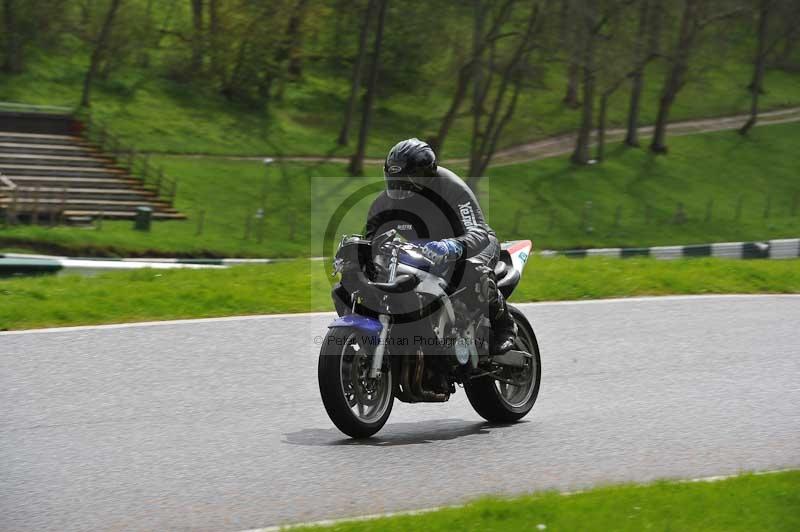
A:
x,y
413,333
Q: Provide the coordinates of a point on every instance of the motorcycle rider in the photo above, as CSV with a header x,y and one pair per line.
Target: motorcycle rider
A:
x,y
424,201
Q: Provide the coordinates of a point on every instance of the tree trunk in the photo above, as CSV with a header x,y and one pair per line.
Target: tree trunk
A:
x,y
214,41
637,76
12,63
355,82
676,73
570,37
756,85
486,137
295,39
99,50
197,36
462,84
466,73
601,127
571,95
479,89
582,155
357,162
656,24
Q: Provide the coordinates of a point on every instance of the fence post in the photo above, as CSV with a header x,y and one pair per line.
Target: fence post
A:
x,y
113,147
63,204
35,214
131,157
517,216
99,221
159,180
13,213
586,219
145,165
200,220
173,191
680,214
292,224
247,223
260,217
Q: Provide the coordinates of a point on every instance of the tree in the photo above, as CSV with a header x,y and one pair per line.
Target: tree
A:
x,y
693,22
590,29
765,46
294,40
640,59
99,51
488,126
12,60
591,23
357,161
571,35
355,80
198,37
468,70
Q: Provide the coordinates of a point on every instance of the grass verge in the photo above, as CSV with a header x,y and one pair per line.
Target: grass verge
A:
x,y
748,502
302,286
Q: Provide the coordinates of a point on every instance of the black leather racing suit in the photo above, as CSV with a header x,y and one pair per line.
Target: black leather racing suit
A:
x,y
445,207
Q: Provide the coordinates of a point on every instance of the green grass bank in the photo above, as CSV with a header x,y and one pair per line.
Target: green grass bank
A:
x,y
730,189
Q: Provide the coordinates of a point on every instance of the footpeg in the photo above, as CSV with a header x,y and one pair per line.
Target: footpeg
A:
x,y
512,358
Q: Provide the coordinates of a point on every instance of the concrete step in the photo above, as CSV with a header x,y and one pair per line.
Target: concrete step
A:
x,y
47,149
121,215
34,159
35,138
28,204
87,182
61,171
84,193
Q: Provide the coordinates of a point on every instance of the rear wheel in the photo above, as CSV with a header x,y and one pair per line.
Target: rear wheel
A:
x,y
501,402
357,405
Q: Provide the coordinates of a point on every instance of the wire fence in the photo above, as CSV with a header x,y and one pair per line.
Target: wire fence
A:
x,y
137,164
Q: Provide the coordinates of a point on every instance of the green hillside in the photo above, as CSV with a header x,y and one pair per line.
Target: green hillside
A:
x,y
160,114
543,200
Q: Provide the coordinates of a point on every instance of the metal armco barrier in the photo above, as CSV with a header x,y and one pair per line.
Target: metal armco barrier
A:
x,y
787,248
24,264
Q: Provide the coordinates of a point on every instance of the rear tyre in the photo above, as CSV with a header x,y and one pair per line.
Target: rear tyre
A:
x,y
499,402
357,405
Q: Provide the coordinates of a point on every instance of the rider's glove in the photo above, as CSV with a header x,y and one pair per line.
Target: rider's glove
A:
x,y
440,252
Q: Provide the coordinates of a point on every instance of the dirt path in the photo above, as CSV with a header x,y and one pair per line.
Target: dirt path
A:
x,y
560,144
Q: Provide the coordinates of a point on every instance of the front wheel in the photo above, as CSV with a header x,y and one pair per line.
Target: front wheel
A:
x,y
357,405
501,402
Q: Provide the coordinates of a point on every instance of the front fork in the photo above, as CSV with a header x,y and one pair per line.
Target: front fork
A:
x,y
377,357
380,349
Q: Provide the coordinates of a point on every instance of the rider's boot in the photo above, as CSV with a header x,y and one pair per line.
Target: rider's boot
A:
x,y
504,328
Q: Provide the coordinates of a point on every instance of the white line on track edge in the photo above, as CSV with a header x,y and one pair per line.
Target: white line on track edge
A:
x,y
190,321
332,522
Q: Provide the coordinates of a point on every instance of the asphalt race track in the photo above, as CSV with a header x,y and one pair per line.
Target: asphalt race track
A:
x,y
218,425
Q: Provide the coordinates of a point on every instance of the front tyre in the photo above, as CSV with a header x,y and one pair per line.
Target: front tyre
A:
x,y
499,402
357,405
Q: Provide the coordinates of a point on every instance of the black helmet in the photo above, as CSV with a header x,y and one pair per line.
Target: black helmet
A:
x,y
407,166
